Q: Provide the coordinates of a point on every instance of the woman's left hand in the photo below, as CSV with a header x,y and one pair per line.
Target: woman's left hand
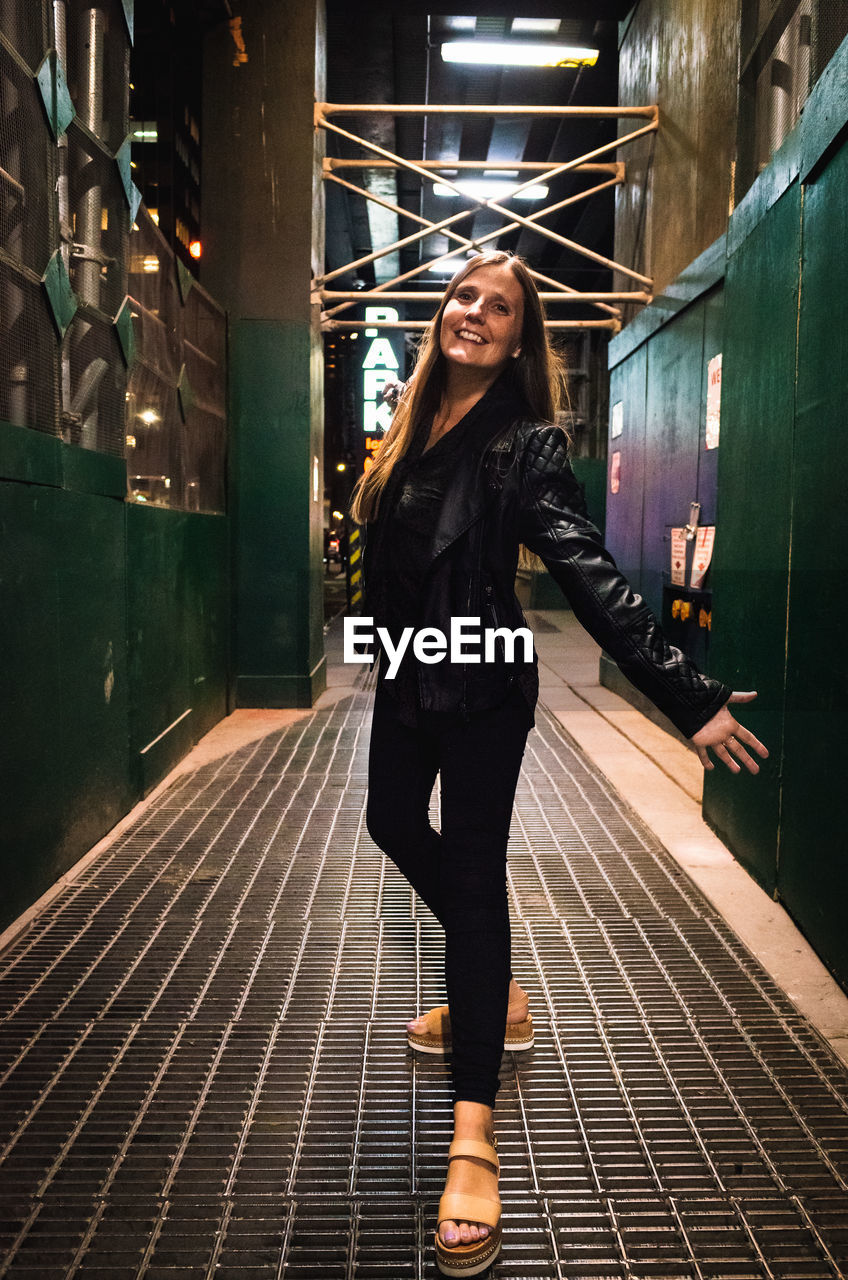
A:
x,y
728,739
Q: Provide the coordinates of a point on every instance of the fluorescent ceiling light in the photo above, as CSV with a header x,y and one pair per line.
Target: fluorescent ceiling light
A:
x,y
448,267
539,26
495,188
506,53
462,24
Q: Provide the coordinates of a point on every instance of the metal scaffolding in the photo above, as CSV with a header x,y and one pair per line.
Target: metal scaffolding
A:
x,y
612,174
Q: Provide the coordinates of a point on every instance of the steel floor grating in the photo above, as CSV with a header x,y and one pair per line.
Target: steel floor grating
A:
x,y
204,1072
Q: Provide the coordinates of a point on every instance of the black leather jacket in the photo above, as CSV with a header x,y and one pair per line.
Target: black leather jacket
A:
x,y
515,485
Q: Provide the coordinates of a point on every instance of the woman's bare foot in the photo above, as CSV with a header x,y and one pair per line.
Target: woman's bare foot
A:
x,y
467,1174
517,1010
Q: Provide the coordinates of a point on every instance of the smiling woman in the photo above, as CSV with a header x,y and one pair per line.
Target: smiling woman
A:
x,y
473,466
481,324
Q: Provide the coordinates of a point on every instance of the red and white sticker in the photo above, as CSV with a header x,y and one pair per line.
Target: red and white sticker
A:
x,y
615,472
678,557
703,555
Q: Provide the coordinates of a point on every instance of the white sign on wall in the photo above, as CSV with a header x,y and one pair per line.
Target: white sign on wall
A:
x,y
713,401
704,543
678,557
617,419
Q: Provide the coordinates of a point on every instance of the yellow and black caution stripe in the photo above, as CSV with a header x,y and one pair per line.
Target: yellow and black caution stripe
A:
x,y
354,569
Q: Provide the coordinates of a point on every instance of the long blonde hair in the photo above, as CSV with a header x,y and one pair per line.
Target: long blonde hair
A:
x,y
537,373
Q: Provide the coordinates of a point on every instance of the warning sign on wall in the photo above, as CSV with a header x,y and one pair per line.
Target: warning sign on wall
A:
x,y
678,557
704,541
713,401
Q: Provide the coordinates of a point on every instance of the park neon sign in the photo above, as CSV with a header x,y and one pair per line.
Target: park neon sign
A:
x,y
379,366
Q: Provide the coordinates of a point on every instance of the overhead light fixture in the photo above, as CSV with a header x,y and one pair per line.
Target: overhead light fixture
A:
x,y
518,53
496,188
538,26
448,267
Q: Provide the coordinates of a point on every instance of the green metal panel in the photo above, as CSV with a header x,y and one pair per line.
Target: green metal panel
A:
x,y
178,595
628,384
672,422
206,542
60,294
30,456
64,696
277,536
53,86
592,474
750,569
813,867
698,278
88,533
70,762
87,471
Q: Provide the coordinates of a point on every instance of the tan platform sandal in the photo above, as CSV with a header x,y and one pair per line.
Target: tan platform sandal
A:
x,y
469,1259
437,1038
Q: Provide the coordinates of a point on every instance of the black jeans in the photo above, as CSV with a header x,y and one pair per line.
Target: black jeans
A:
x,y
460,873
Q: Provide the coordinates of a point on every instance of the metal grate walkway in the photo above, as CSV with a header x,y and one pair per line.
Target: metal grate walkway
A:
x,y
204,1067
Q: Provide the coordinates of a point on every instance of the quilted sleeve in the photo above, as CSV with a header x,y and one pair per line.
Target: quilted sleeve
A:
x,y
614,615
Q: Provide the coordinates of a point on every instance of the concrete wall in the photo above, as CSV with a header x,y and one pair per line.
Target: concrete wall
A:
x,y
675,201
263,236
768,294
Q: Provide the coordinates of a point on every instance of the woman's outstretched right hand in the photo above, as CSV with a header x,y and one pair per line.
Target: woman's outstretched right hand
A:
x,y
725,736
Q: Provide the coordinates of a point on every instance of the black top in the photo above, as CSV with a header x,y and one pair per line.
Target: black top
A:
x,y
423,479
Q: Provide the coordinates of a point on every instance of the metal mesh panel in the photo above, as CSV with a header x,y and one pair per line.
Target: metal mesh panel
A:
x,y
830,27
24,24
116,78
205,329
784,84
98,67
154,473
25,171
93,412
172,462
152,279
29,388
204,450
204,435
789,61
100,224
28,349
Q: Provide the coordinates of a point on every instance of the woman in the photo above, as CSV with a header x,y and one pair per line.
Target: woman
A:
x,y
472,468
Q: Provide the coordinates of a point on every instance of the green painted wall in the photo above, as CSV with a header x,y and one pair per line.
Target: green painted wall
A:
x,y
114,622
771,295
278,517
628,386
592,474
751,560
788,458
64,764
178,606
812,863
